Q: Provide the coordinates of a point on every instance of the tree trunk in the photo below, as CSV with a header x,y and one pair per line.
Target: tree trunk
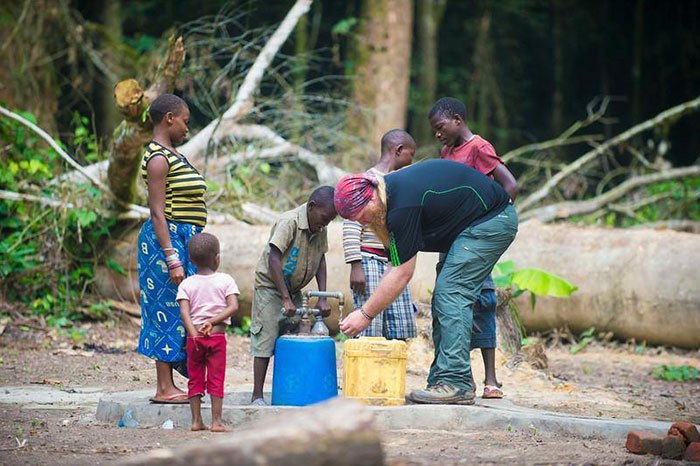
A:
x,y
112,20
637,66
485,104
510,330
338,432
380,89
135,130
29,39
429,16
558,16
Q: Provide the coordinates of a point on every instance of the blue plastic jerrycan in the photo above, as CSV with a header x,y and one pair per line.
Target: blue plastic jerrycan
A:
x,y
305,370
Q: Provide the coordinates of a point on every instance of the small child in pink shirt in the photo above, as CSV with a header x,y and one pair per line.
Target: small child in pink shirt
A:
x,y
207,302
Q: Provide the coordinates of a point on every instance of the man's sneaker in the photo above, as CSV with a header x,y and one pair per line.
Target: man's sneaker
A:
x,y
258,402
442,393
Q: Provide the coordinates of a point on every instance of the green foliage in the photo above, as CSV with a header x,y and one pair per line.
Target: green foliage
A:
x,y
676,199
84,139
243,329
536,281
584,339
344,26
48,254
676,373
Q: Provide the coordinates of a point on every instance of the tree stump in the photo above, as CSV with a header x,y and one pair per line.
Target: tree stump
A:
x,y
509,326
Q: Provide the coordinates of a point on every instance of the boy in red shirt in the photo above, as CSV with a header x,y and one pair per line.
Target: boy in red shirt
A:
x,y
448,121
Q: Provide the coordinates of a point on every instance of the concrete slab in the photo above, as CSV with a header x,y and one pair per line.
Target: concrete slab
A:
x,y
486,414
51,397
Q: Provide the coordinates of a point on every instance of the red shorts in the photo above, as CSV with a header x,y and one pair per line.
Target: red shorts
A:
x,y
206,364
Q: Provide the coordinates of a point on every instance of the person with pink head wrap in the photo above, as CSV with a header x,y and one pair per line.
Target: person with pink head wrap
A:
x,y
353,193
433,206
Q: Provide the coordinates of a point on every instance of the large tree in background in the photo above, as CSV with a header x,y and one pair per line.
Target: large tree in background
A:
x,y
429,15
382,58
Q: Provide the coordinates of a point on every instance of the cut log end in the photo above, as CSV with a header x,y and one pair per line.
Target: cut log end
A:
x,y
129,95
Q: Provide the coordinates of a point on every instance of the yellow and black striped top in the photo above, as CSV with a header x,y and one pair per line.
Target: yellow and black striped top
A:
x,y
184,187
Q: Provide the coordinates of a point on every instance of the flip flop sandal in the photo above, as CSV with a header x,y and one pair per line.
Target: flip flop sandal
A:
x,y
170,400
498,384
491,392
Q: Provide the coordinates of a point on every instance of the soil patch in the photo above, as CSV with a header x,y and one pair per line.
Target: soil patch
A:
x,y
602,380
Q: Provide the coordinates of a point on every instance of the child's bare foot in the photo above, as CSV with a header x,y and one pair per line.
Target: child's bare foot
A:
x,y
219,428
196,426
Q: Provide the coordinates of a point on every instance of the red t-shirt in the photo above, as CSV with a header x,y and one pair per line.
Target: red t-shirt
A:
x,y
477,153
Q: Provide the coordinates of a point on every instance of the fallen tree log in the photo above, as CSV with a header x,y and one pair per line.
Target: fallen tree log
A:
x,y
638,284
338,432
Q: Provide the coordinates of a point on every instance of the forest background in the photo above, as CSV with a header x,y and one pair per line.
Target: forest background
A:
x,y
547,82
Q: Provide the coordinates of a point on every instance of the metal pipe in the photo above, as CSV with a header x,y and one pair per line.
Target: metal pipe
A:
x,y
325,294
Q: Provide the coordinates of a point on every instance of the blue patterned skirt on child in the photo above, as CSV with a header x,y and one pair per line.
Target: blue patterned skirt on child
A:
x,y
163,335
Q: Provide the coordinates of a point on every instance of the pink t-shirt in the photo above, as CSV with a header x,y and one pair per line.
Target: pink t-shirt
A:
x,y
477,153
207,295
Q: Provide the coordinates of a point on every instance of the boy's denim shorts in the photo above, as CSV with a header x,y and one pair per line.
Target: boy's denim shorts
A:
x,y
484,321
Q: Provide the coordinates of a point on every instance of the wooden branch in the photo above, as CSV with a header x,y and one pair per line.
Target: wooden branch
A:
x,y
666,117
196,147
135,130
130,212
339,432
64,155
47,201
550,144
327,173
570,208
259,213
168,70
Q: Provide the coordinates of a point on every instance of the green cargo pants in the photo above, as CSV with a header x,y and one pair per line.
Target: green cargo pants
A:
x,y
469,261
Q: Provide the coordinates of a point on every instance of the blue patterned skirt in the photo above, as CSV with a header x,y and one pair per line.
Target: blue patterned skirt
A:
x,y
162,335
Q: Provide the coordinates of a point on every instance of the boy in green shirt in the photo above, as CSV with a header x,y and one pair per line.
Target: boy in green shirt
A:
x,y
295,253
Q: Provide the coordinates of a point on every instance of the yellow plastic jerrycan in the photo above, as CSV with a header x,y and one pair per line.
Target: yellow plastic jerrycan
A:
x,y
374,371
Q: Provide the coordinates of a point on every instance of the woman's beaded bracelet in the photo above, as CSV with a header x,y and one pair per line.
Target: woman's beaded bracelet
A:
x,y
365,315
174,265
172,258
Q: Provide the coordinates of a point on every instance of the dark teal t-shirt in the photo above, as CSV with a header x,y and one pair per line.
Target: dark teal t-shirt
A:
x,y
430,203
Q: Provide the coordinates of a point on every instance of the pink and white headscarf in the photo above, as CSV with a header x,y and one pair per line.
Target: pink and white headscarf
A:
x,y
353,192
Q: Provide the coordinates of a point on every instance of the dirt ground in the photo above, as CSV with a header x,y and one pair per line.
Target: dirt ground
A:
x,y
608,380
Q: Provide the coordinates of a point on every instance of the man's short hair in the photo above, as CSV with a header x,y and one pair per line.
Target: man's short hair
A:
x,y
449,107
323,197
395,137
163,104
203,248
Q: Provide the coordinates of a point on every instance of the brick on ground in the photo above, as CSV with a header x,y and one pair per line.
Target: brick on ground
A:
x,y
688,430
672,447
692,453
641,443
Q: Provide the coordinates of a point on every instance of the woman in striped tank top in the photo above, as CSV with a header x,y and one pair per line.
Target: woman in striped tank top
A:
x,y
178,212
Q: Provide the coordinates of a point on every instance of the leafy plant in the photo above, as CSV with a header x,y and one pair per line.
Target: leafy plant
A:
x,y
48,253
683,373
584,339
537,282
243,329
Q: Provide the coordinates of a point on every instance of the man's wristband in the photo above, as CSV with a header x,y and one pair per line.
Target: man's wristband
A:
x,y
365,315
